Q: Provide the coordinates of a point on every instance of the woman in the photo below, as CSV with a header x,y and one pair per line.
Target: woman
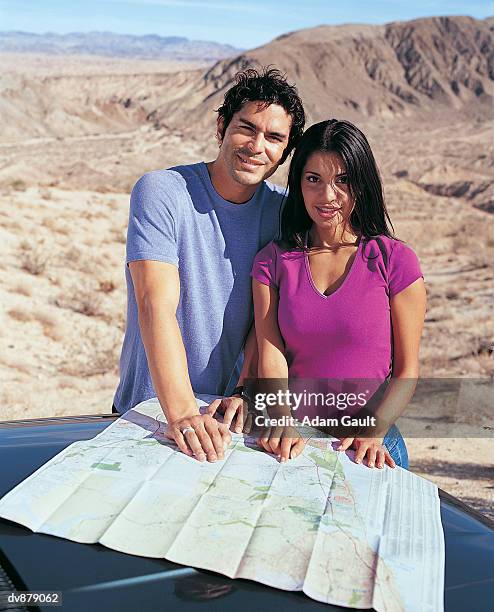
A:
x,y
338,297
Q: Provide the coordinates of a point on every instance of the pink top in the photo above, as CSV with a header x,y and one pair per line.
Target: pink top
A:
x,y
346,334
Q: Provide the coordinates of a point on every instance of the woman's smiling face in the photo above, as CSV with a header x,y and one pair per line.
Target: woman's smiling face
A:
x,y
327,195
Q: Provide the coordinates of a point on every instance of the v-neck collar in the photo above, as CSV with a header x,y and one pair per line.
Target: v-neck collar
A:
x,y
309,273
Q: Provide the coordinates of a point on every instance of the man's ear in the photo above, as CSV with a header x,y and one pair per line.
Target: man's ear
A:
x,y
220,122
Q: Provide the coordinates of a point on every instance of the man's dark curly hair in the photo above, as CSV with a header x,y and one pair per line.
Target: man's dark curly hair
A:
x,y
268,86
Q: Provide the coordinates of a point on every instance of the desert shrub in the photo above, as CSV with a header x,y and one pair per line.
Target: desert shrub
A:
x,y
51,324
45,193
82,299
22,290
94,353
118,235
55,225
452,294
34,258
18,185
73,255
481,259
20,314
107,286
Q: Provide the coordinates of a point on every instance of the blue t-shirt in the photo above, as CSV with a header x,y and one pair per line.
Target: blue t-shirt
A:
x,y
176,216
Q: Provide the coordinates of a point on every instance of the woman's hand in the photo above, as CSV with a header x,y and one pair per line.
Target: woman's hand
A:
x,y
371,448
285,442
233,409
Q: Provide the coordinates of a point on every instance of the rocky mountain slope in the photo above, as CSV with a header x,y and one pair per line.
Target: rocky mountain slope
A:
x,y
414,75
400,69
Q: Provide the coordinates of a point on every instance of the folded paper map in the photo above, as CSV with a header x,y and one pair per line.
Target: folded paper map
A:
x,y
340,532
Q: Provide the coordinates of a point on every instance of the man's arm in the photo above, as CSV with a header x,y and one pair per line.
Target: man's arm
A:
x,y
234,408
157,291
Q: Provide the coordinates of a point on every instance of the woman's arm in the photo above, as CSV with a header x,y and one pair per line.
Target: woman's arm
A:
x,y
407,319
271,357
284,442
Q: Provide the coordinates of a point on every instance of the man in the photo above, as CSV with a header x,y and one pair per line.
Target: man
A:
x,y
193,233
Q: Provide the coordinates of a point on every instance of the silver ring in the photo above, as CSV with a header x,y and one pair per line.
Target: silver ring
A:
x,y
186,429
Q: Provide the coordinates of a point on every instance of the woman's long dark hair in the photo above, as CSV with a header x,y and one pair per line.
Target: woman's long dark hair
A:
x,y
369,217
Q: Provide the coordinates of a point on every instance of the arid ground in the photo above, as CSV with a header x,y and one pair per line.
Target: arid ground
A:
x,y
76,133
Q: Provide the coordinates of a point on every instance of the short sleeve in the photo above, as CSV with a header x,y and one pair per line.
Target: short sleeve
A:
x,y
264,266
151,233
404,268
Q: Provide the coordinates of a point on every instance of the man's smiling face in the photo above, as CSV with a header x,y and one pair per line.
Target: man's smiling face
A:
x,y
254,141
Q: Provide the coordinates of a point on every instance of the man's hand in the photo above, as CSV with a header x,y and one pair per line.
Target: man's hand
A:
x,y
200,436
233,409
371,448
285,442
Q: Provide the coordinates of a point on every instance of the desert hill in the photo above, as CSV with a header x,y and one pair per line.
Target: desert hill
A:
x,y
400,69
415,75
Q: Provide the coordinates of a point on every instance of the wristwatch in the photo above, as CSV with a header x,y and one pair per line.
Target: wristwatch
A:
x,y
243,393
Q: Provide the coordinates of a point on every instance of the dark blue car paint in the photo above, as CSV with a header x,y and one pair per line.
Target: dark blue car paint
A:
x,y
92,577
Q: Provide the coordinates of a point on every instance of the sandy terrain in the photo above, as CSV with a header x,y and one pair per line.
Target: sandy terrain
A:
x,y
71,65
75,143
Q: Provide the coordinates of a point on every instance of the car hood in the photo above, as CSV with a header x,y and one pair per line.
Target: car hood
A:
x,y
97,578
